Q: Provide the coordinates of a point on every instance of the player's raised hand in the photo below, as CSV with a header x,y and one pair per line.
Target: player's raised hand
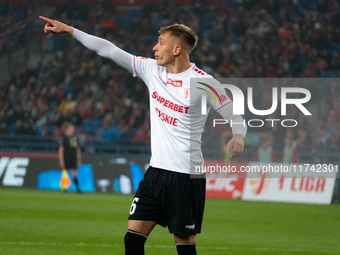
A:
x,y
235,143
54,26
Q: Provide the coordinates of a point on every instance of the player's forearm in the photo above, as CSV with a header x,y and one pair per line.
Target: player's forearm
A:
x,y
238,126
104,48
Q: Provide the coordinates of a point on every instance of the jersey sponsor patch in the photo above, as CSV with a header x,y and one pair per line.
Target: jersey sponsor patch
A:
x,y
174,83
169,104
166,118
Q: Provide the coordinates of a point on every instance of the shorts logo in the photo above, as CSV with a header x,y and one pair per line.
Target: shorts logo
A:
x,y
177,84
186,92
190,226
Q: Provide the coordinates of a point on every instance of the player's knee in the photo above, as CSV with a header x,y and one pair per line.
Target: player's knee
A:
x,y
185,244
134,243
184,238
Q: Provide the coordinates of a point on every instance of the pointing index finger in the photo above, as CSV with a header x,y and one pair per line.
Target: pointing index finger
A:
x,y
46,19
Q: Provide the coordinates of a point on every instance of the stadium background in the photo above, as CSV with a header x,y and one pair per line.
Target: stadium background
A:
x,y
46,80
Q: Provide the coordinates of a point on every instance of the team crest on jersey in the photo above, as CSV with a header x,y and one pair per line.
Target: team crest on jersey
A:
x,y
177,84
186,92
223,98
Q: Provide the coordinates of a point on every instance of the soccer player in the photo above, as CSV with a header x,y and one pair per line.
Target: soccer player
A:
x,y
167,195
69,152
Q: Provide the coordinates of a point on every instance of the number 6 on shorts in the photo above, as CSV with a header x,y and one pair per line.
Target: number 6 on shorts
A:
x,y
133,205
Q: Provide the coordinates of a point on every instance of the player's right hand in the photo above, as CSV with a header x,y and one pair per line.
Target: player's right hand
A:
x,y
54,26
236,145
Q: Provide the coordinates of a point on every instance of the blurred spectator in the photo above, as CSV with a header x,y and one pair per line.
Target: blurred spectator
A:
x,y
265,152
237,39
45,132
322,135
55,117
141,136
57,132
85,108
107,133
290,150
19,128
65,107
81,136
334,114
335,138
108,23
74,117
125,136
89,146
302,137
335,63
136,119
28,129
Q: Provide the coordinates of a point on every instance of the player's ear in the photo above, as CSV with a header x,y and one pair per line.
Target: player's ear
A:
x,y
177,50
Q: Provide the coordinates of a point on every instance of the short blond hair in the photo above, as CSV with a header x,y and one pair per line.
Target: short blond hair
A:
x,y
183,32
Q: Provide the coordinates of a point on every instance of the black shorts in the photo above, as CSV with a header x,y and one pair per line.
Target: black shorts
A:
x,y
171,199
70,164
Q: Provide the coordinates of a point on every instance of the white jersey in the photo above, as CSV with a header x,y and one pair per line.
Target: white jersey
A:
x,y
176,119
175,112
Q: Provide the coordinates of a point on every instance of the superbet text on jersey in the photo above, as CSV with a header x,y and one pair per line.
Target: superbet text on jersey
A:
x,y
175,114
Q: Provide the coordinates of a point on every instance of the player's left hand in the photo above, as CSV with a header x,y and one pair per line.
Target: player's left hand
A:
x,y
236,144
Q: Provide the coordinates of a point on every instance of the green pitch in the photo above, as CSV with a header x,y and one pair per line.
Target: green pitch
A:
x,y
37,222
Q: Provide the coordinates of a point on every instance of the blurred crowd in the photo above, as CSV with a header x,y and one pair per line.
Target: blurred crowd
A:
x,y
238,38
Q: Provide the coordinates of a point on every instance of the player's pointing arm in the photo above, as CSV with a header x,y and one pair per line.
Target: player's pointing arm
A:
x,y
103,47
